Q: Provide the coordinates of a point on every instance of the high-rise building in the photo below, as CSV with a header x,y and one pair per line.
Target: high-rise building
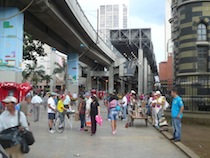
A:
x,y
191,35
168,41
112,15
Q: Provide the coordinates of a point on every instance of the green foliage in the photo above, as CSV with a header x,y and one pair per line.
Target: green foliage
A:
x,y
61,69
32,48
47,78
33,73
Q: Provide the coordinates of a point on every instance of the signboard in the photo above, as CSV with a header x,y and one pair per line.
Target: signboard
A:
x,y
11,39
130,68
73,68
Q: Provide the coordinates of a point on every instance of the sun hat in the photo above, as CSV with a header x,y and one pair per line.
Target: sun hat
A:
x,y
10,99
157,93
133,92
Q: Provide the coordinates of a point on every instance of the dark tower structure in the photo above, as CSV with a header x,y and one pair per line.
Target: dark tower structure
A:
x,y
191,35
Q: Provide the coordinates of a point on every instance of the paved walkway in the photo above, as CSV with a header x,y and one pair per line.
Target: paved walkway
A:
x,y
135,142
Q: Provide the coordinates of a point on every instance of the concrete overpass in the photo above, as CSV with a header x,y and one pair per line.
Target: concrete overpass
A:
x,y
63,25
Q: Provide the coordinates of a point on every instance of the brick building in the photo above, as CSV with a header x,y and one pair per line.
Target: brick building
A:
x,y
166,74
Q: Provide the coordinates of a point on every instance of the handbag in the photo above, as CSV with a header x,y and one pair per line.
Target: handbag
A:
x,y
99,119
27,138
10,137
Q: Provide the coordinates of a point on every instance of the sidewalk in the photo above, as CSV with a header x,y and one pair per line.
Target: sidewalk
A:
x,y
135,142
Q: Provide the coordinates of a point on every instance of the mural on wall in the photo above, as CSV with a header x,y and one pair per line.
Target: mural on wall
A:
x,y
73,68
11,39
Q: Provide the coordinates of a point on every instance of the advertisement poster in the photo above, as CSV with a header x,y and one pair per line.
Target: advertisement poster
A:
x,y
11,39
73,68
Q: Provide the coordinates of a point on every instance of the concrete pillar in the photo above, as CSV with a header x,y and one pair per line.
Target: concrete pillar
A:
x,y
11,44
73,72
149,78
145,76
111,79
88,80
122,86
140,71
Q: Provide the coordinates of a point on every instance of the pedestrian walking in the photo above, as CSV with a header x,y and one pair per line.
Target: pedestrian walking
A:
x,y
36,102
8,119
82,110
94,110
25,106
51,111
88,102
176,114
113,113
124,104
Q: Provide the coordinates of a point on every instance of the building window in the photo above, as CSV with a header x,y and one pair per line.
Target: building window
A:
x,y
202,59
202,32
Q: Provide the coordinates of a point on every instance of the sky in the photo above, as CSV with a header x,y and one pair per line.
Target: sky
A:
x,y
142,14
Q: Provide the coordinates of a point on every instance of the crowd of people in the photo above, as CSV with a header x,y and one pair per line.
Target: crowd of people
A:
x,y
118,107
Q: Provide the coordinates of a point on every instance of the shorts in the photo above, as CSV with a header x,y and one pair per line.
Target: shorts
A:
x,y
113,114
51,116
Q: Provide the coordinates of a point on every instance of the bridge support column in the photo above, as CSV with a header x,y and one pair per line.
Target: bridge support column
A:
x,y
140,71
122,84
145,76
73,72
11,44
88,80
111,79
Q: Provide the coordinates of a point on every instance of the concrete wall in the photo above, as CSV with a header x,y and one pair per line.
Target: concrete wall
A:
x,y
201,118
10,76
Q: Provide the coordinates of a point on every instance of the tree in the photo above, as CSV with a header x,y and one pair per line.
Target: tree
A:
x,y
32,48
47,78
61,69
33,73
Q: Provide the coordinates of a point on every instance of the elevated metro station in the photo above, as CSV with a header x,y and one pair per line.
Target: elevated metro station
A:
x,y
136,46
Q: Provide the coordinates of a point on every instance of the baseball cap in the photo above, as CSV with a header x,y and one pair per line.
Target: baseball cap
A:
x,y
10,99
53,94
62,96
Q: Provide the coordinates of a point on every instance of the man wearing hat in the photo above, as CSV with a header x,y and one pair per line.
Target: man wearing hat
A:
x,y
51,111
8,119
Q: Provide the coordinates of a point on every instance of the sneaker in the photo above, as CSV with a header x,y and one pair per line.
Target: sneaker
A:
x,y
114,132
51,131
81,129
60,126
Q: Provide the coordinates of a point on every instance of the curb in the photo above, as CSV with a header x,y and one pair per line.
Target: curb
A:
x,y
181,146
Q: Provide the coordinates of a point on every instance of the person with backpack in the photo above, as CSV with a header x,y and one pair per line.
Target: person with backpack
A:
x,y
113,113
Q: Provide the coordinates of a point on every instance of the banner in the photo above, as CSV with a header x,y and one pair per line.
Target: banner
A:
x,y
73,68
11,39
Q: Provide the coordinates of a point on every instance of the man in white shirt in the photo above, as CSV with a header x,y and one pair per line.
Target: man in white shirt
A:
x,y
8,119
36,102
124,106
51,111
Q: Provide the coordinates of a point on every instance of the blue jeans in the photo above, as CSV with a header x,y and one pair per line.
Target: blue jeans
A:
x,y
124,111
176,123
113,114
82,120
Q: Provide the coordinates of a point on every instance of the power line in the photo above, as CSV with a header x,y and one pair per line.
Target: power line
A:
x,y
24,9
